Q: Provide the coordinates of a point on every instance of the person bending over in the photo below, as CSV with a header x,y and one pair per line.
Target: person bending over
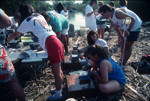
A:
x,y
108,75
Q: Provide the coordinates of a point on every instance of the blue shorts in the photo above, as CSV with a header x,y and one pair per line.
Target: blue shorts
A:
x,y
133,36
101,26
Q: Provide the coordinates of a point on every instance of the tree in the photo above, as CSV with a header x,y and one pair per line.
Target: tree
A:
x,y
85,1
11,6
67,3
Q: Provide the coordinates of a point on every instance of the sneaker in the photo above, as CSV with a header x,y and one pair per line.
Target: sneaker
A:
x,y
54,97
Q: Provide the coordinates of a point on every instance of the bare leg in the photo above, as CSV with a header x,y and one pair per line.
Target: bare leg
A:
x,y
110,87
67,40
64,41
102,32
58,75
121,47
16,89
128,51
98,31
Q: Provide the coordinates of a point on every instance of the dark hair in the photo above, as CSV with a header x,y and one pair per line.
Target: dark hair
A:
x,y
97,49
45,15
89,39
92,1
100,3
123,2
112,4
17,16
105,8
60,7
25,10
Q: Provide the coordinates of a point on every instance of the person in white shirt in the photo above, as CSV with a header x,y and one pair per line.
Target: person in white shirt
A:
x,y
36,23
90,20
92,38
117,16
62,10
123,4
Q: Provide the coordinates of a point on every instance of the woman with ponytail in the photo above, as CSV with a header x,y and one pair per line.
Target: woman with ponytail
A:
x,y
36,23
108,75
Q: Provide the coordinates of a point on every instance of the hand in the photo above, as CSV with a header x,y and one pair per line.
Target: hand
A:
x,y
94,72
90,62
95,12
127,33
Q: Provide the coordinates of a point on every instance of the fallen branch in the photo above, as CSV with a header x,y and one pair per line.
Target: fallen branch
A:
x,y
139,95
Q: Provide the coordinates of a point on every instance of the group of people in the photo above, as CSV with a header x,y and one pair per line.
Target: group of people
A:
x,y
108,75
50,40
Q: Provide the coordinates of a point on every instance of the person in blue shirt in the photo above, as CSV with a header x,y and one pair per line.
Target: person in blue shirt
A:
x,y
108,75
60,26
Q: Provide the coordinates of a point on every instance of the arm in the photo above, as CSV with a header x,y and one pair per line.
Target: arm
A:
x,y
58,34
106,49
94,73
89,11
89,14
121,15
13,36
58,28
118,30
5,21
104,72
111,25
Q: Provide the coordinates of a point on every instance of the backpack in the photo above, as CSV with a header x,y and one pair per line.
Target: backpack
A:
x,y
146,57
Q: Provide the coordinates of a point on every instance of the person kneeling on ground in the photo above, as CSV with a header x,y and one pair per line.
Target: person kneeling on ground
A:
x,y
92,38
108,75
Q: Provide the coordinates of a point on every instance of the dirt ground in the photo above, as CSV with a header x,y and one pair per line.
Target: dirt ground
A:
x,y
137,88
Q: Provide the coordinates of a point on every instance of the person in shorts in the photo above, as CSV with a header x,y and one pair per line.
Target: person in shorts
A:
x,y
36,23
100,21
131,31
60,26
7,70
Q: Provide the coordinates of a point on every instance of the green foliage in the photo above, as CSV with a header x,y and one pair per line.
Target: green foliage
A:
x,y
80,7
11,6
67,3
40,6
85,2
